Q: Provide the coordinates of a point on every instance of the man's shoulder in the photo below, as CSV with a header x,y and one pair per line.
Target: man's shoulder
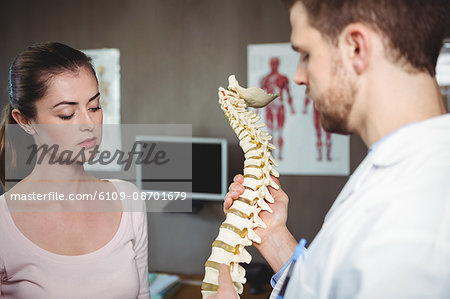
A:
x,y
428,139
434,126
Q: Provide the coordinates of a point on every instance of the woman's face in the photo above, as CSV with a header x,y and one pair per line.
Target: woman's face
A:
x,y
70,114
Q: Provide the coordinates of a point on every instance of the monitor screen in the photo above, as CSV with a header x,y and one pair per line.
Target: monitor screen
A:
x,y
196,165
207,168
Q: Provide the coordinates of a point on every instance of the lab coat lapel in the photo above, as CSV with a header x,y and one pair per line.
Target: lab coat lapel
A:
x,y
352,184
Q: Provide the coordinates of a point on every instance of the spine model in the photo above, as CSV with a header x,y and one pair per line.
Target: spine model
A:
x,y
242,218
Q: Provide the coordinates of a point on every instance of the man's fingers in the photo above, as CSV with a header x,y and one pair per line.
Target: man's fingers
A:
x,y
238,178
224,275
227,204
276,180
235,190
226,288
278,194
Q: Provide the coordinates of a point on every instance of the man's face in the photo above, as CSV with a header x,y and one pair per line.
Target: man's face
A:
x,y
328,83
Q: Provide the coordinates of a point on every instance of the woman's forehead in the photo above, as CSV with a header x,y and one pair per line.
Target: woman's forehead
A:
x,y
69,86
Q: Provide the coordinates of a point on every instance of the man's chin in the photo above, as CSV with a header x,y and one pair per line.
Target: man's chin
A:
x,y
334,126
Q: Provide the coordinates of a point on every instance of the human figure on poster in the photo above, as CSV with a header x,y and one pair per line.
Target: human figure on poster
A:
x,y
319,129
275,82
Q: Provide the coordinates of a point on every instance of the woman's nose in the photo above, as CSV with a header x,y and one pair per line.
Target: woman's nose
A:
x,y
86,122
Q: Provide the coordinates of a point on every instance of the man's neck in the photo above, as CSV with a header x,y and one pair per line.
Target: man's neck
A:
x,y
394,100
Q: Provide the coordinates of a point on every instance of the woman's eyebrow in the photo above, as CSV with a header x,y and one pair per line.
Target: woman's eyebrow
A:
x,y
94,97
75,103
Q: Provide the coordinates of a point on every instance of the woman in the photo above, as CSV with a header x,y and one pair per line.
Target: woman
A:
x,y
64,248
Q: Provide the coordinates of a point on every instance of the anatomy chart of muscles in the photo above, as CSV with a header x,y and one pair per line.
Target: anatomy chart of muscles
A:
x,y
302,146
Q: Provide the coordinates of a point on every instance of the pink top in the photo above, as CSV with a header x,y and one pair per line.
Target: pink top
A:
x,y
117,270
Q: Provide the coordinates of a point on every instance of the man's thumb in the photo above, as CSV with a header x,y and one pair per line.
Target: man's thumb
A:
x,y
224,275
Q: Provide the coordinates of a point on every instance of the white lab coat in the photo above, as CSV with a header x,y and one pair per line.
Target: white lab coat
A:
x,y
388,233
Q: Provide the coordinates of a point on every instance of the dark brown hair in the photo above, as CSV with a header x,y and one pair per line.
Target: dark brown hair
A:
x,y
413,29
29,77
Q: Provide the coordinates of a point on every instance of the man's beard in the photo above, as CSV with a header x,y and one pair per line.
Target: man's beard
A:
x,y
337,101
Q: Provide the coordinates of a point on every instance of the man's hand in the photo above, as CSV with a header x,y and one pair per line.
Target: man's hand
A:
x,y
226,288
277,243
275,221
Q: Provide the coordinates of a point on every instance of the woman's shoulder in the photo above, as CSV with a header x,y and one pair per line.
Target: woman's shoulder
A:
x,y
129,193
3,206
123,186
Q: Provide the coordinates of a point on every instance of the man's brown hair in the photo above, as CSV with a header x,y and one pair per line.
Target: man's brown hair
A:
x,y
413,29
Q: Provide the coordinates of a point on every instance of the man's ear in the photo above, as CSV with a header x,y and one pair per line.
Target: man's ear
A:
x,y
356,39
22,121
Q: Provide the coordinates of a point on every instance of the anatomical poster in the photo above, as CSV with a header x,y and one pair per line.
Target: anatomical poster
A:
x,y
106,63
443,72
302,146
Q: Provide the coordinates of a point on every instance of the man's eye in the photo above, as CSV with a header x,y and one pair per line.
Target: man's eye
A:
x,y
66,117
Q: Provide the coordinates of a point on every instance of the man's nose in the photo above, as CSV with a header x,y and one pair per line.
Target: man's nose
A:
x,y
301,76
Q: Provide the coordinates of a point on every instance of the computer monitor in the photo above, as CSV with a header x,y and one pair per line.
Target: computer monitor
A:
x,y
197,162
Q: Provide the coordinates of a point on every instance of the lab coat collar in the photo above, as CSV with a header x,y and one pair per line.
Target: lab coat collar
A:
x,y
409,139
394,148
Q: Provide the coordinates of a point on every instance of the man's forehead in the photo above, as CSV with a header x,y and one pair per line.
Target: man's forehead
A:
x,y
298,14
299,23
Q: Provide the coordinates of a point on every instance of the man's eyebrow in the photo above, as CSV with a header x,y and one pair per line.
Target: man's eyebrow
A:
x,y
75,103
297,48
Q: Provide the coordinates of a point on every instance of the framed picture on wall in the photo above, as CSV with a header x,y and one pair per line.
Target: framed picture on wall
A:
x,y
443,72
302,146
106,63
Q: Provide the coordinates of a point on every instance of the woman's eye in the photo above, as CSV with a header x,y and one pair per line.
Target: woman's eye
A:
x,y
96,108
305,57
66,117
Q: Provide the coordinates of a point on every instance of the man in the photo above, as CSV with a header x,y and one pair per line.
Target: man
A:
x,y
369,66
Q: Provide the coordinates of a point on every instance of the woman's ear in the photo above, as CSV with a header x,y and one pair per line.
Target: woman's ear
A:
x,y
356,38
22,121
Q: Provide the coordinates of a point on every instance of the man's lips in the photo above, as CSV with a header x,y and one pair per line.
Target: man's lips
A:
x,y
88,143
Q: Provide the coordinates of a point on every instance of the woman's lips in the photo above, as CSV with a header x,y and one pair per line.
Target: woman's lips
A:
x,y
88,143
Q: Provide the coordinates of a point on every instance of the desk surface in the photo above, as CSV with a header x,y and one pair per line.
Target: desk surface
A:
x,y
190,289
